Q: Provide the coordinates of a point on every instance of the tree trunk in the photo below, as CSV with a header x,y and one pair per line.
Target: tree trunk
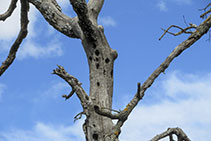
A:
x,y
101,60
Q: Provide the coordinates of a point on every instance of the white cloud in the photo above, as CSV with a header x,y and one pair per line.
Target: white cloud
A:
x,y
107,21
46,132
184,101
57,89
9,28
162,5
32,49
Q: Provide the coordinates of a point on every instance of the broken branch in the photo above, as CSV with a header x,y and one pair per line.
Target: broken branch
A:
x,y
74,83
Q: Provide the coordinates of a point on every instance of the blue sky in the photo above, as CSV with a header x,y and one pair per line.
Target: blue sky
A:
x,y
31,106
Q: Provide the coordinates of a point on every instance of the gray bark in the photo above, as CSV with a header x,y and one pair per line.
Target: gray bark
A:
x,y
97,105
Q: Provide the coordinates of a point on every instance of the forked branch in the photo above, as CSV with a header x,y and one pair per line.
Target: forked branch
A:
x,y
22,34
183,30
9,11
74,83
81,8
181,136
95,7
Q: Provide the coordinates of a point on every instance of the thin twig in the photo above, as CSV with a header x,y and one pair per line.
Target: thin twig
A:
x,y
177,131
183,30
22,34
9,11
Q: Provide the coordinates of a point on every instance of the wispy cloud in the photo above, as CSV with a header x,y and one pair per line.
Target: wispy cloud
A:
x,y
183,100
107,21
57,89
162,5
32,49
46,132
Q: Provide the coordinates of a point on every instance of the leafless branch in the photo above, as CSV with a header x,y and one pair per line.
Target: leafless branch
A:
x,y
53,14
177,131
202,29
183,30
105,112
95,7
68,96
22,34
78,116
80,7
9,11
74,83
206,12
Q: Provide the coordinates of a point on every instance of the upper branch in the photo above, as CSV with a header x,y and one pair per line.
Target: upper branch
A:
x,y
54,16
177,131
185,30
9,11
80,7
74,83
123,115
95,7
22,34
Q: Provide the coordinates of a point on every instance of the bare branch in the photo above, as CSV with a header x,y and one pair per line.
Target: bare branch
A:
x,y
196,35
22,34
206,12
74,83
105,112
95,7
78,116
68,96
54,16
80,7
177,131
185,30
9,11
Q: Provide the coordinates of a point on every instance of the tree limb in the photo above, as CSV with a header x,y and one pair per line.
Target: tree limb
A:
x,y
9,11
177,131
95,7
195,36
22,34
206,12
74,83
185,30
80,7
51,11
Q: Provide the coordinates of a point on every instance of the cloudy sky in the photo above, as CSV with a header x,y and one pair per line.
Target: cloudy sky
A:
x,y
31,106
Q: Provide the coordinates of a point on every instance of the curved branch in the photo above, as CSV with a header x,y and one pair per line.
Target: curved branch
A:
x,y
9,11
95,7
183,30
74,83
22,34
177,131
54,16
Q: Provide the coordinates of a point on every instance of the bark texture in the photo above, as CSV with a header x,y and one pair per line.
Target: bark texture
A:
x,y
97,105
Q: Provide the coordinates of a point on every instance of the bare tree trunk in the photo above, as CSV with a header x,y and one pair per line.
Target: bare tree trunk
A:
x,y
101,60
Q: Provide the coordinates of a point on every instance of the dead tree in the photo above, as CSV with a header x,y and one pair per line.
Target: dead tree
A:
x,y
97,105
